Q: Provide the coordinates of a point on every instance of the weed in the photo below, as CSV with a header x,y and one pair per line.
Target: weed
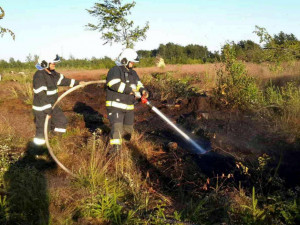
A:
x,y
23,78
24,92
170,88
235,88
283,104
159,216
28,199
4,161
7,156
4,210
204,210
104,204
254,215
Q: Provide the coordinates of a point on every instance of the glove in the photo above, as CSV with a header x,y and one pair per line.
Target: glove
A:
x,y
137,94
145,94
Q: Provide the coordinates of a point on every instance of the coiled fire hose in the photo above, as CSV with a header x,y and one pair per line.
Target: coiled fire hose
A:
x,y
48,117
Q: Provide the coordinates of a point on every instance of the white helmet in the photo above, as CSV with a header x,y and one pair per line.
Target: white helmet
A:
x,y
44,61
128,55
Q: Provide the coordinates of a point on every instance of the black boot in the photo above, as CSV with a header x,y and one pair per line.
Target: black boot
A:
x,y
34,149
127,137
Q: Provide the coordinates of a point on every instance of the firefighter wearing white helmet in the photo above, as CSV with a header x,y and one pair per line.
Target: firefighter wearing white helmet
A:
x,y
123,87
45,60
45,82
128,55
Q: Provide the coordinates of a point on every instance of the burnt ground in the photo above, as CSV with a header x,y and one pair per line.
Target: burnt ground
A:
x,y
228,137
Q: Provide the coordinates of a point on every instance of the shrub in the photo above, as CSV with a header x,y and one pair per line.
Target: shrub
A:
x,y
283,104
235,88
28,201
169,87
146,62
24,92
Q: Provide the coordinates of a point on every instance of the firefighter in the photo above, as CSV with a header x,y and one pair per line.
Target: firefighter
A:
x,y
45,82
123,87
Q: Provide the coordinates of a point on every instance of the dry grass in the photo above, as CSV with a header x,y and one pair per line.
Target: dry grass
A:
x,y
291,72
206,74
86,154
97,173
23,92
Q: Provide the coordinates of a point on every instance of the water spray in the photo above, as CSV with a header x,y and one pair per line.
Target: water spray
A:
x,y
163,117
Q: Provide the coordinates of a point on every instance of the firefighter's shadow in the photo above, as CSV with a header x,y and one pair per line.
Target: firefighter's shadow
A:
x,y
26,185
93,119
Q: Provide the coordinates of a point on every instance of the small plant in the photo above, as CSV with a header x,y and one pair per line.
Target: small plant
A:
x,y
24,92
254,215
235,88
4,210
104,203
4,162
28,199
283,105
159,216
170,88
20,78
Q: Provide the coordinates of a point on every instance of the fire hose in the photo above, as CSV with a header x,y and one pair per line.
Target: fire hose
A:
x,y
143,100
197,147
48,117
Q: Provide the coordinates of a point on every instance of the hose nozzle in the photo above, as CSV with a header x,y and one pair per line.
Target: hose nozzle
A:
x,y
144,100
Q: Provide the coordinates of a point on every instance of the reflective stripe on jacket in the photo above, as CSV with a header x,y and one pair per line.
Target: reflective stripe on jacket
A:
x,y
45,88
119,85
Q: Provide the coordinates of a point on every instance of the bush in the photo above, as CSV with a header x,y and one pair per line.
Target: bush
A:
x,y
169,88
287,98
283,104
146,62
235,88
28,201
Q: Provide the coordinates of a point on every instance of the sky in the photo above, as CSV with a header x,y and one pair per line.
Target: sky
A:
x,y
58,26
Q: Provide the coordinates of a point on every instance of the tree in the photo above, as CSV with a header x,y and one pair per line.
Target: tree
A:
x,y
147,53
29,58
248,51
12,60
282,38
113,24
280,48
196,52
172,53
5,30
35,58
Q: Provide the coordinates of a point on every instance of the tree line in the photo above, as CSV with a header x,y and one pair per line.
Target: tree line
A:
x,y
115,27
278,48
93,63
177,54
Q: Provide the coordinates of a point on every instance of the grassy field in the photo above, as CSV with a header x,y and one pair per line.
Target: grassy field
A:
x,y
246,115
